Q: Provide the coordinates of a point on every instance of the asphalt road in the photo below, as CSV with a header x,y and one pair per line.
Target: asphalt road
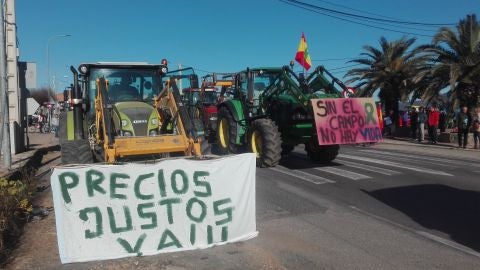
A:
x,y
380,207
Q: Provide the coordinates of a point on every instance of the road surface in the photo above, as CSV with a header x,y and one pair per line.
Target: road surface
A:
x,y
388,206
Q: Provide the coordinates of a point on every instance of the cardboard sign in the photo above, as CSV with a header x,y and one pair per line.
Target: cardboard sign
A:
x,y
114,211
346,120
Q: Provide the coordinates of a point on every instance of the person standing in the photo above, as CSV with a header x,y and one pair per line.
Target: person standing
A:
x,y
442,120
422,119
464,120
433,118
476,127
413,122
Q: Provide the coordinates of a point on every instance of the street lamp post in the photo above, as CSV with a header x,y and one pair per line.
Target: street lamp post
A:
x,y
50,39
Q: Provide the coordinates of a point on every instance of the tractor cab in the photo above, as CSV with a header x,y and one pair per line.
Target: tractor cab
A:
x,y
130,90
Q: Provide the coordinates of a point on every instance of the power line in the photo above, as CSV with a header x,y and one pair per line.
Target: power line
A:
x,y
345,67
358,10
366,12
333,59
366,17
288,2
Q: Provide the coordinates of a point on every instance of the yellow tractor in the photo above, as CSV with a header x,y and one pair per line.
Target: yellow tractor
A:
x,y
125,112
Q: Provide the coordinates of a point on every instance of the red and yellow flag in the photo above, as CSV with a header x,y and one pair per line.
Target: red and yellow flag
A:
x,y
302,56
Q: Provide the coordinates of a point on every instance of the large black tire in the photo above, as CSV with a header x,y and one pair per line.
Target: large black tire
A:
x,y
76,152
205,146
264,140
62,127
321,153
226,132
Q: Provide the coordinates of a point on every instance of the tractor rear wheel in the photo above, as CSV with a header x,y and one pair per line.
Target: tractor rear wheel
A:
x,y
76,152
226,132
264,140
321,153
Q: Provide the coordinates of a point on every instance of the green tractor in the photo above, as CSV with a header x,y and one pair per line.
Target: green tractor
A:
x,y
269,112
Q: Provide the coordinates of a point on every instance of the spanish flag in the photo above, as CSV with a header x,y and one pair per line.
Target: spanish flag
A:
x,y
302,56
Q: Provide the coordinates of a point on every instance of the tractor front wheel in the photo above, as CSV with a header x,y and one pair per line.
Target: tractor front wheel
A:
x,y
226,132
321,153
265,141
76,152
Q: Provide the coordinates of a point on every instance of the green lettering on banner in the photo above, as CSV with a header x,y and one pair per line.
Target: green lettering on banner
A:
x,y
227,211
147,215
114,185
167,234
193,231
139,180
370,113
199,183
124,243
83,215
113,223
203,210
168,203
94,180
65,186
224,233
209,234
184,177
161,183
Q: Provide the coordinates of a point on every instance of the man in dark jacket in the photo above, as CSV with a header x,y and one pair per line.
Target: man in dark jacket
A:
x,y
422,119
464,120
413,122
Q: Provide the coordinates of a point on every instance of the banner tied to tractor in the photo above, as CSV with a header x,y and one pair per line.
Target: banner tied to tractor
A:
x,y
346,120
114,211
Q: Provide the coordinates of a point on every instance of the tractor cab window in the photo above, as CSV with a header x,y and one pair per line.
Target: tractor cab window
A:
x,y
210,97
261,81
127,84
243,83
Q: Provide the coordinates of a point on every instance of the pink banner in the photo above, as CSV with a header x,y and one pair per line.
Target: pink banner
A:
x,y
346,120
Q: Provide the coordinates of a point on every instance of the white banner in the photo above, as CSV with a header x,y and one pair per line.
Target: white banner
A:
x,y
114,211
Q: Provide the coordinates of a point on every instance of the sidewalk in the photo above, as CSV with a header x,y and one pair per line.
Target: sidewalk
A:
x,y
426,143
39,144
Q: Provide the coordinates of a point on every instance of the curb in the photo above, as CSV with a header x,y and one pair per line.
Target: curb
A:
x,y
414,143
24,163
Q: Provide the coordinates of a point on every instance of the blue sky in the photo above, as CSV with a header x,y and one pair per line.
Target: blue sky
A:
x,y
210,35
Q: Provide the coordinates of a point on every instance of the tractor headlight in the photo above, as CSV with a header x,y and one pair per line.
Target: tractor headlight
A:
x,y
127,134
124,123
213,118
153,132
154,121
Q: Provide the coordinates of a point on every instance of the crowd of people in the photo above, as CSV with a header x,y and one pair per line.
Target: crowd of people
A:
x,y
433,120
45,119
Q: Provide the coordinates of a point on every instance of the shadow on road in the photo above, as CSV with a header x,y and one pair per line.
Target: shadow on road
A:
x,y
296,161
33,163
453,211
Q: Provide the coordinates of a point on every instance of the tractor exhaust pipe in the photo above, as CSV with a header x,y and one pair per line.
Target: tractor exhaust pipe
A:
x,y
77,106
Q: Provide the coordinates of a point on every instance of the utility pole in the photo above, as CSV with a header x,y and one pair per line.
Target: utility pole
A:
x,y
5,140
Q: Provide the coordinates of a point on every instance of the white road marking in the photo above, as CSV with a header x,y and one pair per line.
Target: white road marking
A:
x,y
395,164
367,167
427,235
343,173
446,161
314,179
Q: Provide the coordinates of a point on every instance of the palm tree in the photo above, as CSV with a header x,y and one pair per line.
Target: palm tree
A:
x,y
455,62
389,69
